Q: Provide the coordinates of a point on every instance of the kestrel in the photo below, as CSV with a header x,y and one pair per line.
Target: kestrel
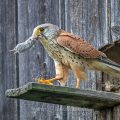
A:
x,y
71,52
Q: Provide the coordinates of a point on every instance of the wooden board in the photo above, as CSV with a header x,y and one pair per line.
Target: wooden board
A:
x,y
65,96
8,65
91,19
35,62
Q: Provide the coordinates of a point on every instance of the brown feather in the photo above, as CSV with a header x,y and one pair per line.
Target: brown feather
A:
x,y
77,45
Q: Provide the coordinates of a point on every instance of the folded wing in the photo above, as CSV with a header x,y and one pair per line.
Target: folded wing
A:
x,y
78,46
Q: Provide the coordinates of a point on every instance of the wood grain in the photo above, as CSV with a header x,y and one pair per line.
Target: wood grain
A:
x,y
91,19
8,74
32,13
98,100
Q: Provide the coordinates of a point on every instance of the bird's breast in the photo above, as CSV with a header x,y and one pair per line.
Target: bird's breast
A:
x,y
53,49
71,58
60,54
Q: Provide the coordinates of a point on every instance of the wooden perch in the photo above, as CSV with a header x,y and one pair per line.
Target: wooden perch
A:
x,y
65,96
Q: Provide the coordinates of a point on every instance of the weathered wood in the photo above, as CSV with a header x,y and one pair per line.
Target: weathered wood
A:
x,y
65,96
112,51
113,12
82,19
91,19
35,62
8,75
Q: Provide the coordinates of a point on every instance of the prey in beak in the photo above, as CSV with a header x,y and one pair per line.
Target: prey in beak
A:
x,y
22,47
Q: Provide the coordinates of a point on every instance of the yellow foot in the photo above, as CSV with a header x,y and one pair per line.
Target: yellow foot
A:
x,y
47,82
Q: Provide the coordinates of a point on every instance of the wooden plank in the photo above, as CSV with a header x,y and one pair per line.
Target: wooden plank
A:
x,y
113,12
82,18
35,62
8,75
65,96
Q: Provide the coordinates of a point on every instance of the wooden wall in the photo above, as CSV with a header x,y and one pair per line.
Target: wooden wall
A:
x,y
91,19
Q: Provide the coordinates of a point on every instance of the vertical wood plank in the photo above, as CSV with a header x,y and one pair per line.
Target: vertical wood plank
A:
x,y
104,24
111,17
8,39
91,19
30,14
82,18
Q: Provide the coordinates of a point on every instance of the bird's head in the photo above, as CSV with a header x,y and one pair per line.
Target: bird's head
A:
x,y
42,32
46,30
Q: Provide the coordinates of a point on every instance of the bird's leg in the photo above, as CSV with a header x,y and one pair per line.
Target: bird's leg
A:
x,y
79,74
65,75
60,71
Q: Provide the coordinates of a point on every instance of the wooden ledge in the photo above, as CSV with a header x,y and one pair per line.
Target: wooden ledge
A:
x,y
65,96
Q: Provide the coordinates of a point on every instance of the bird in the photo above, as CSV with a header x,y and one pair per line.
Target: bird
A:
x,y
70,51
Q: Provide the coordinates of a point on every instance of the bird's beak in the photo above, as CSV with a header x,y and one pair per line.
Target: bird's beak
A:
x,y
36,34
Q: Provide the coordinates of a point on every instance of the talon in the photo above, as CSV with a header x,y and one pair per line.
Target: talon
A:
x,y
47,82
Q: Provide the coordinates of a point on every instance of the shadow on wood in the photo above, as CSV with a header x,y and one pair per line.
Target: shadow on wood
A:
x,y
65,96
112,51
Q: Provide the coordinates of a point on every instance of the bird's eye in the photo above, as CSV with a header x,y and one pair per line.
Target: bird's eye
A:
x,y
41,29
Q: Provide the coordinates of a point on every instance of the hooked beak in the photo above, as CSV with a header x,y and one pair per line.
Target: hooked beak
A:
x,y
36,34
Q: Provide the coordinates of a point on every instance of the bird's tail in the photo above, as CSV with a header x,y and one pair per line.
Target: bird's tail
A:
x,y
107,66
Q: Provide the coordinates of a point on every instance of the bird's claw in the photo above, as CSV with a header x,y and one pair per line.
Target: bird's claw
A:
x,y
43,81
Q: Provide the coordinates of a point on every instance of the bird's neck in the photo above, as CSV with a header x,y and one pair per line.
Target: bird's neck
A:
x,y
43,41
50,34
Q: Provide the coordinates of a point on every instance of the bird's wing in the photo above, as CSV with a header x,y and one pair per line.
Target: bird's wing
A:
x,y
78,46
